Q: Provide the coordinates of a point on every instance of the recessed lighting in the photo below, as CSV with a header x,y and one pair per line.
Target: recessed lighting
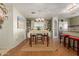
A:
x,y
39,10
33,12
71,8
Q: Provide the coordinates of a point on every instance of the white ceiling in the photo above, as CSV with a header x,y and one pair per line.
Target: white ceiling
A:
x,y
45,10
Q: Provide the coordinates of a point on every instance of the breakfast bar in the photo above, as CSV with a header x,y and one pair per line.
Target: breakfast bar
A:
x,y
74,36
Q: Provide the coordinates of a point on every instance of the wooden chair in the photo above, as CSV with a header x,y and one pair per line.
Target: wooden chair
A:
x,y
46,37
39,37
32,39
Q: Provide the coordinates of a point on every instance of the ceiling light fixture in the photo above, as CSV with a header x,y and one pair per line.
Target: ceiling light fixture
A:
x,y
39,19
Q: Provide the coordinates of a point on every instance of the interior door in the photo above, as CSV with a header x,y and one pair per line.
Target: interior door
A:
x,y
55,27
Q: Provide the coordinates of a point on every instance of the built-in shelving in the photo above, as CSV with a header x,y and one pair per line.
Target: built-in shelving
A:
x,y
28,25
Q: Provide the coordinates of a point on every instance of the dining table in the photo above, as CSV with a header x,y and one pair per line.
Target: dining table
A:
x,y
35,32
39,34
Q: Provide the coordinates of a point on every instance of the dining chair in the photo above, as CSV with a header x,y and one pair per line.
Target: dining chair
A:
x,y
32,39
46,37
39,37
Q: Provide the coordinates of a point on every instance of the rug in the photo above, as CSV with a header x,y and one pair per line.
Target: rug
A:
x,y
39,47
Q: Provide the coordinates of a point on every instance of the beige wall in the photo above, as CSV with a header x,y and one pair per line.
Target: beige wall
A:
x,y
19,34
74,21
10,36
6,36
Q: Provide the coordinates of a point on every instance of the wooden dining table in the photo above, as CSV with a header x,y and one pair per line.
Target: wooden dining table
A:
x,y
44,33
38,32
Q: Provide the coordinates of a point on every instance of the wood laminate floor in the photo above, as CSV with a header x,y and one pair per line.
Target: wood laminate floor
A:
x,y
57,50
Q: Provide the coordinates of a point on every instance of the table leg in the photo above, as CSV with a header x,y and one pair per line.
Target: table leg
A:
x,y
35,40
30,42
47,41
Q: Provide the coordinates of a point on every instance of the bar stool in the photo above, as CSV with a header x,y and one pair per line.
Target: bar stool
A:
x,y
65,36
69,41
60,37
74,39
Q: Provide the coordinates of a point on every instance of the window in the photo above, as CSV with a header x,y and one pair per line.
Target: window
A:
x,y
65,26
39,25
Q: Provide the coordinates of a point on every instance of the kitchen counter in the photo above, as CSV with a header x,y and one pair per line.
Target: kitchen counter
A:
x,y
72,33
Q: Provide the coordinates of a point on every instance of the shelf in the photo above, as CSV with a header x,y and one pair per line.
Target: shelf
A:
x,y
73,26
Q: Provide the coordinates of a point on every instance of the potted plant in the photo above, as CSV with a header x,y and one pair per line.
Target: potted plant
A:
x,y
38,28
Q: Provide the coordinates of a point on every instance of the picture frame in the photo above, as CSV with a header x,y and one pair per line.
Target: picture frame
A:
x,y
20,22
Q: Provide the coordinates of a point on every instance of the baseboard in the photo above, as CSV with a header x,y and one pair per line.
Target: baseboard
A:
x,y
5,51
18,46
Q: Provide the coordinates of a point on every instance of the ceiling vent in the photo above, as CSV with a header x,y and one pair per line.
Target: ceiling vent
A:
x,y
33,12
